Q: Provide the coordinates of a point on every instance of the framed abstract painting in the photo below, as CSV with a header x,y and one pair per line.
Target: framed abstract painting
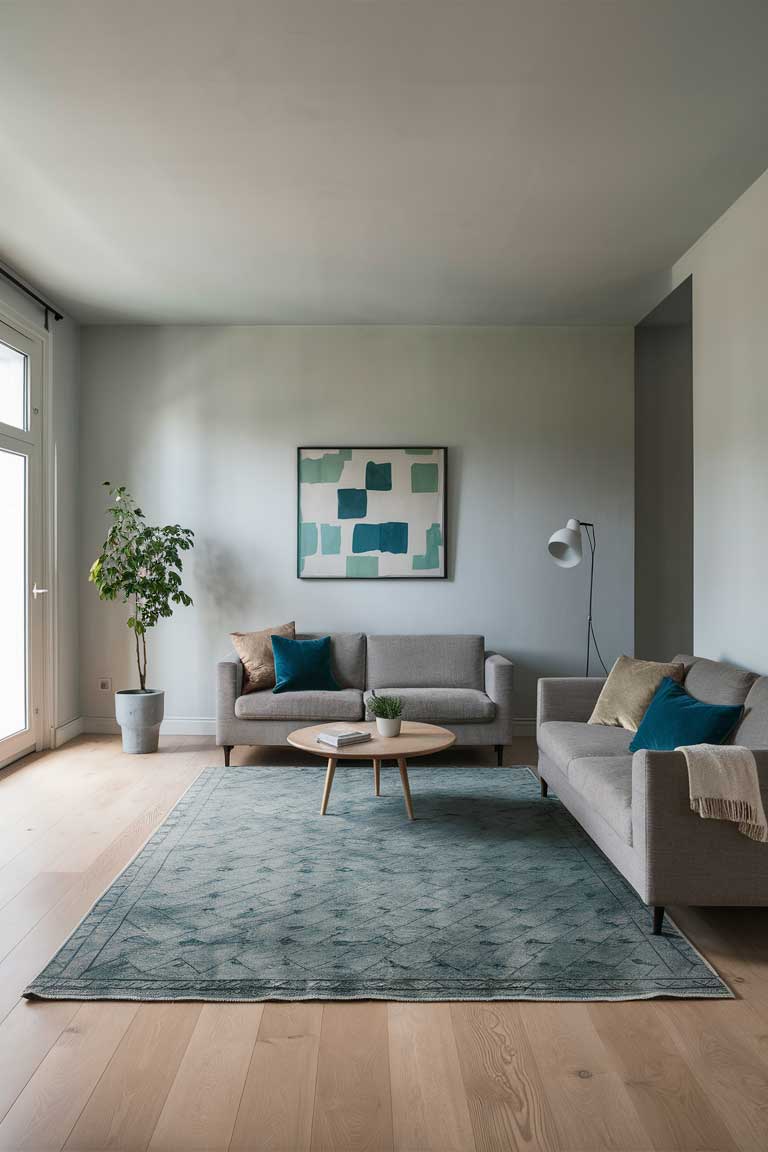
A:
x,y
371,513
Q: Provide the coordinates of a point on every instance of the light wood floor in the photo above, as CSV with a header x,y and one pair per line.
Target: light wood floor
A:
x,y
335,1076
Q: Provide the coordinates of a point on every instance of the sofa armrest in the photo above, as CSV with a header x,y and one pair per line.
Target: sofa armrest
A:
x,y
500,681
229,685
660,796
567,698
685,859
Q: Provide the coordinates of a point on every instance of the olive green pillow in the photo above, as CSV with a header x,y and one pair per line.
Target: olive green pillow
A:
x,y
255,651
629,689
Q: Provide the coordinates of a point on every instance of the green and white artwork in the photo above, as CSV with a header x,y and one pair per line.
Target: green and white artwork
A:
x,y
371,513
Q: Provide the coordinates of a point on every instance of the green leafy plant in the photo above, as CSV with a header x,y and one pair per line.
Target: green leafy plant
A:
x,y
386,707
142,564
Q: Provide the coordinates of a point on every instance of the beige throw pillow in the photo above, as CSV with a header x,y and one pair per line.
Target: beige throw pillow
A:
x,y
255,651
629,689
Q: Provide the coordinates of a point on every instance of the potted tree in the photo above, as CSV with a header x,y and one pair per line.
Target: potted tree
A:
x,y
141,564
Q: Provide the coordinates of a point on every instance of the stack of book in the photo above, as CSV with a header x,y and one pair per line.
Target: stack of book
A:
x,y
343,737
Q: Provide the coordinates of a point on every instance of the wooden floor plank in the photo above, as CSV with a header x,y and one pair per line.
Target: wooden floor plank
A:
x,y
276,1108
735,941
352,1095
730,1061
200,1110
124,1108
505,1090
35,807
587,1097
40,857
45,1112
673,1107
26,1037
34,902
429,1103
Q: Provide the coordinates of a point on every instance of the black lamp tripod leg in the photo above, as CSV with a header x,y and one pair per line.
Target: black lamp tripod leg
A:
x,y
592,546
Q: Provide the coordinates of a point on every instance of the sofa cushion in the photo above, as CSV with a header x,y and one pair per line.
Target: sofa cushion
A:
x,y
426,662
303,665
605,782
442,705
255,652
347,656
714,682
629,689
566,740
752,732
675,719
346,704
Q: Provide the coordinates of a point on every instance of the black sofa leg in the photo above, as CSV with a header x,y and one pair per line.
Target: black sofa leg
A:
x,y
227,750
544,786
658,919
499,754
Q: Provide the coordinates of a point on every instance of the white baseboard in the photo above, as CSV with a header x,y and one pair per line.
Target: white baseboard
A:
x,y
525,727
188,726
171,726
204,726
68,731
101,726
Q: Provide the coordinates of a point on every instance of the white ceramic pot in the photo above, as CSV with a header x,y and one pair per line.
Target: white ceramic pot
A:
x,y
388,727
139,715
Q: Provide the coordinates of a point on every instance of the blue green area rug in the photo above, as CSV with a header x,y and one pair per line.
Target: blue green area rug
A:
x,y
247,893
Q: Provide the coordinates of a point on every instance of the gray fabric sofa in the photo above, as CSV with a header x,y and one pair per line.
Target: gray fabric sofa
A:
x,y
446,680
636,808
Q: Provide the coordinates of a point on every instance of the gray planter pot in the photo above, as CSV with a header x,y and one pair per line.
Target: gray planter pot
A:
x,y
139,715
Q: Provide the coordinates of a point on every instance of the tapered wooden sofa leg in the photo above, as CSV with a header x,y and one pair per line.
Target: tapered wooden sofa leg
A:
x,y
227,748
499,754
658,919
544,786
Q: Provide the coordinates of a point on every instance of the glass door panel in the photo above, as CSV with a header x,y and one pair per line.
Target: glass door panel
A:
x,y
13,387
14,703
23,617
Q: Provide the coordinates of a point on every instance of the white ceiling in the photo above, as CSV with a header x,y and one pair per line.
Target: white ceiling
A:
x,y
346,161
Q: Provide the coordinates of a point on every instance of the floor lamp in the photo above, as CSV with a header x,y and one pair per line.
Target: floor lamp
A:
x,y
566,551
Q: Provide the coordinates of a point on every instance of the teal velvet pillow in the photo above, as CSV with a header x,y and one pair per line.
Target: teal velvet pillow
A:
x,y
673,718
303,665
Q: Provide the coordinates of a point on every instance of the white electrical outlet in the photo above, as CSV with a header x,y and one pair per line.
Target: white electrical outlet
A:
x,y
105,684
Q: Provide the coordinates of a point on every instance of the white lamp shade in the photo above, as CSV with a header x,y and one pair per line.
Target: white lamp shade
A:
x,y
565,545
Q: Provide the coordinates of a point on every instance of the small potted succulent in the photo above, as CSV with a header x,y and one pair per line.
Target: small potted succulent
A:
x,y
388,711
140,564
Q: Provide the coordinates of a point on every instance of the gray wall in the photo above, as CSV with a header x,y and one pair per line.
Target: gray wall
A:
x,y
729,265
664,479
202,423
62,417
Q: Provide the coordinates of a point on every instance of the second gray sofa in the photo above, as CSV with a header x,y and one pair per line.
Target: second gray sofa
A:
x,y
637,807
446,680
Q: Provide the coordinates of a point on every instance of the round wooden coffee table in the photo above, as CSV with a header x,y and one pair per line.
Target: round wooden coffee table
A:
x,y
414,740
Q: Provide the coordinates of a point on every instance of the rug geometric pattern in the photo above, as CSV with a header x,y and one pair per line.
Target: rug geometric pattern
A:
x,y
247,893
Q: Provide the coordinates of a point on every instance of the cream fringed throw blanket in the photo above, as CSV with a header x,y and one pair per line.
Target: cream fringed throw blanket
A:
x,y
724,785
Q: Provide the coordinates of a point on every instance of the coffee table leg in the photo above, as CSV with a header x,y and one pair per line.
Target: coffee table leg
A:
x,y
406,786
328,784
377,777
